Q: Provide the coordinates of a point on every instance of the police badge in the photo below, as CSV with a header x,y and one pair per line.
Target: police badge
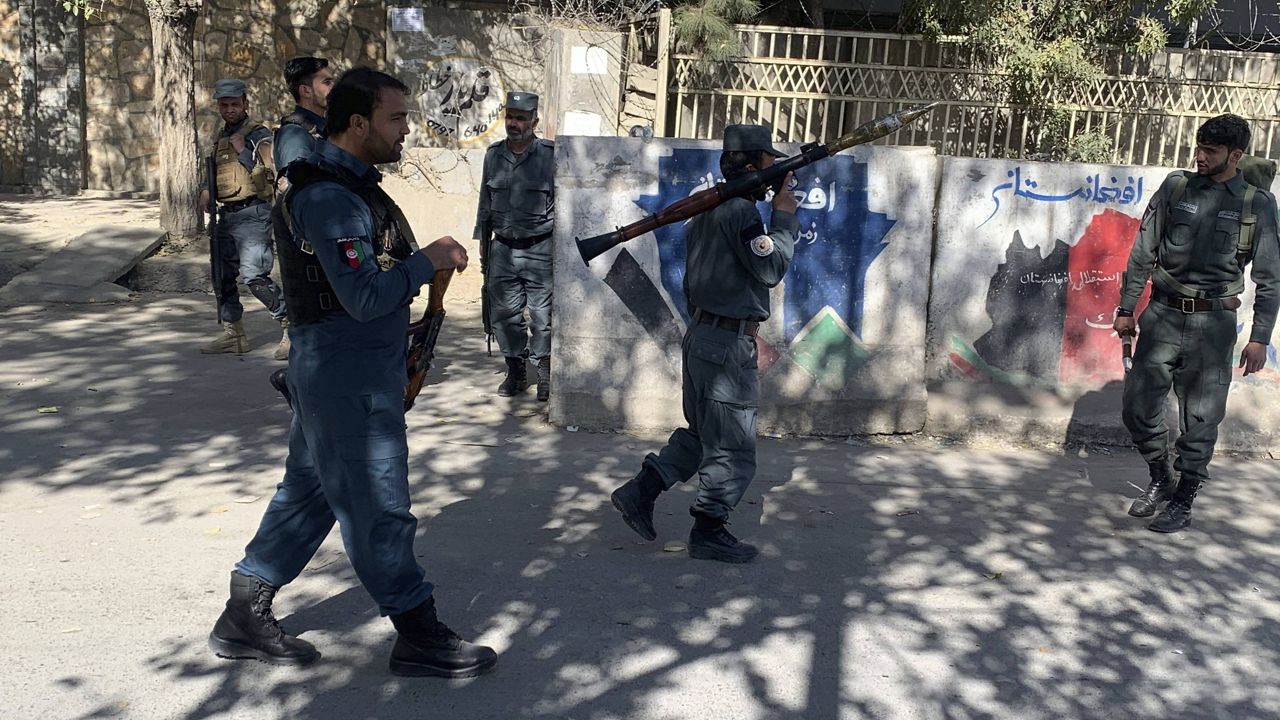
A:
x,y
762,246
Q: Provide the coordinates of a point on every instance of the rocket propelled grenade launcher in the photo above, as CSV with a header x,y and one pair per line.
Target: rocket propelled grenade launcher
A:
x,y
746,185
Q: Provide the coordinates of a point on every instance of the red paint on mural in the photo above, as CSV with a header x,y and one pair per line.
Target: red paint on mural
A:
x,y
1090,348
766,356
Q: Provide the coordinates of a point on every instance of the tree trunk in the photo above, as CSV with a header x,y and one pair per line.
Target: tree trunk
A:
x,y
173,27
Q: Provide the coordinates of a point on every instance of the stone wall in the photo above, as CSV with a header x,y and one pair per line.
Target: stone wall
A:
x,y
11,145
246,39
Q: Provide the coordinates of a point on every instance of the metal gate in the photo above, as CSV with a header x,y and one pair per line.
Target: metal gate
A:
x,y
813,84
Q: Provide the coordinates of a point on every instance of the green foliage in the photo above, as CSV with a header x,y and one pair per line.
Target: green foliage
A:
x,y
86,7
1043,45
706,28
1184,11
1094,146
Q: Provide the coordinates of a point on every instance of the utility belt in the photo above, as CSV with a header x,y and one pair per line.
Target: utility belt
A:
x,y
1196,305
238,205
742,327
522,243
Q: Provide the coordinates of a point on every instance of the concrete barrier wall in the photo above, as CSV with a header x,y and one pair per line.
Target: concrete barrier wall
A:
x,y
1026,277
844,350
1018,277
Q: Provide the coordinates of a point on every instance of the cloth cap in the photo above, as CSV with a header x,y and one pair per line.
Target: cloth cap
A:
x,y
520,100
749,138
228,88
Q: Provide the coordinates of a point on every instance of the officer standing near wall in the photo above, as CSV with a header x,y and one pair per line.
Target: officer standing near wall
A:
x,y
731,263
513,224
245,184
1200,231
348,451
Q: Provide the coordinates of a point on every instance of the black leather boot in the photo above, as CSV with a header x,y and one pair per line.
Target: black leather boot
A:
x,y
515,382
635,501
710,540
1160,489
1177,514
544,379
248,629
427,647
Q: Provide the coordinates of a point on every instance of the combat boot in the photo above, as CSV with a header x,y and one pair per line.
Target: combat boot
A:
x,y
248,629
282,350
544,379
426,646
710,540
635,501
232,340
1177,514
1160,489
515,382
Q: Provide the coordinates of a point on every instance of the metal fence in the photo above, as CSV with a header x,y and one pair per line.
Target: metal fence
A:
x,y
814,84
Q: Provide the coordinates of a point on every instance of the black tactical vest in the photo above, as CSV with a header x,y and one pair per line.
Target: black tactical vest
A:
x,y
309,298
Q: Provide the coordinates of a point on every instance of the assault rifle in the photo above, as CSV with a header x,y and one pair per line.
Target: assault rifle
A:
x,y
486,246
747,185
422,337
215,262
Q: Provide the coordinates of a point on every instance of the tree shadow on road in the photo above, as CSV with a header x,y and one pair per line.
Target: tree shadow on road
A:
x,y
896,581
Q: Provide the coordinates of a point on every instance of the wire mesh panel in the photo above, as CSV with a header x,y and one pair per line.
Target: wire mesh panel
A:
x,y
810,84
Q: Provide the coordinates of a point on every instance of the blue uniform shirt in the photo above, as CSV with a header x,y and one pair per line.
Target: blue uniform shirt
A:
x,y
293,142
362,352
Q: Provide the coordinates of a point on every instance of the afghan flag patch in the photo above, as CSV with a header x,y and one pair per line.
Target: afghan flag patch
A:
x,y
351,251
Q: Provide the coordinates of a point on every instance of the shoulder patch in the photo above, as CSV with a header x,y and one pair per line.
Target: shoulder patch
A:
x,y
755,238
762,246
352,249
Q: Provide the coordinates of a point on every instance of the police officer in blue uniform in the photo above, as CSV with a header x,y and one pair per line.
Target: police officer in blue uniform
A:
x,y
242,154
348,453
731,263
309,80
514,220
1199,233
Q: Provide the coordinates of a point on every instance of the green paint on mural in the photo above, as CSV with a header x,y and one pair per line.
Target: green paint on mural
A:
x,y
828,350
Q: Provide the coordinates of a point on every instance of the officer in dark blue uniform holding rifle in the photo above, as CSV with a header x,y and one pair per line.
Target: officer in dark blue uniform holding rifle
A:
x,y
732,262
350,273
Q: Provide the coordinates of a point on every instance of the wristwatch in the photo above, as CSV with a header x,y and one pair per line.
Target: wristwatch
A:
x,y
1121,312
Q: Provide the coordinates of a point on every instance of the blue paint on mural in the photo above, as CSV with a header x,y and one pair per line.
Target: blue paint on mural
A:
x,y
839,236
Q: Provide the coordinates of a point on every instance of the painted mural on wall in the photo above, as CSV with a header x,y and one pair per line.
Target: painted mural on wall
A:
x,y
458,98
822,296
1054,242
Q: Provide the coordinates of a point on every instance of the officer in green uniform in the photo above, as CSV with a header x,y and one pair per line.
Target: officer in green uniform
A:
x,y
731,262
513,224
1199,232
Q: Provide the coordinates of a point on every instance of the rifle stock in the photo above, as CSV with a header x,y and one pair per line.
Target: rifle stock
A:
x,y
747,185
422,338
